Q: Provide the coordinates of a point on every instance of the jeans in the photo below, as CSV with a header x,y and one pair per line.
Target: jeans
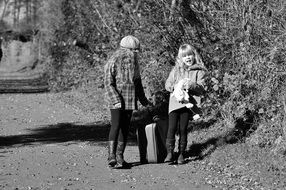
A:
x,y
179,119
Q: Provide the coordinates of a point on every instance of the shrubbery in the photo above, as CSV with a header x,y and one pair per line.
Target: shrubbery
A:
x,y
242,44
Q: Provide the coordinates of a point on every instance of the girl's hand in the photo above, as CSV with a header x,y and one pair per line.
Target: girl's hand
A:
x,y
156,118
196,117
189,105
117,106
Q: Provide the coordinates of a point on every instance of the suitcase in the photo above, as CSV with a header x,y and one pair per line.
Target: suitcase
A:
x,y
152,140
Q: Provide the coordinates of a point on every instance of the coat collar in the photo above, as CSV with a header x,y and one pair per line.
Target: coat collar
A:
x,y
196,67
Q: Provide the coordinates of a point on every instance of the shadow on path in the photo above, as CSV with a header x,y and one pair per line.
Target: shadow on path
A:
x,y
59,133
242,129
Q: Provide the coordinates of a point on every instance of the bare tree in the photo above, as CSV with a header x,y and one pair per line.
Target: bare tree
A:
x,y
15,12
28,11
6,2
18,11
138,5
173,7
34,7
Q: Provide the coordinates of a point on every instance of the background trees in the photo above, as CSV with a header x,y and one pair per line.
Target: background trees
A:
x,y
19,14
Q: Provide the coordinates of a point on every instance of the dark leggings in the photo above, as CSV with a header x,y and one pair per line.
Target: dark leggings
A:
x,y
120,121
178,117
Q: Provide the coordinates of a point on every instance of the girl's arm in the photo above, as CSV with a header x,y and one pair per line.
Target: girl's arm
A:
x,y
170,82
140,92
110,83
198,88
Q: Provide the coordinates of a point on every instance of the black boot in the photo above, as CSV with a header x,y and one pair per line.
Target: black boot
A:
x,y
182,149
170,145
112,145
121,163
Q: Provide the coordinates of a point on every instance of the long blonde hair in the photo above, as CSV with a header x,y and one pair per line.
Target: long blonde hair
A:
x,y
187,49
126,63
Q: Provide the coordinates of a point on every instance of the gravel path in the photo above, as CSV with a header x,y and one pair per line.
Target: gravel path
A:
x,y
47,144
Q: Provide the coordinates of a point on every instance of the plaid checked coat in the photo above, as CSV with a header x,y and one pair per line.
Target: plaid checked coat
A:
x,y
122,80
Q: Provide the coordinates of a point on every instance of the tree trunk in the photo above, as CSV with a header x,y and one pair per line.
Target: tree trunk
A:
x,y
173,8
5,8
138,5
28,13
18,12
34,6
15,13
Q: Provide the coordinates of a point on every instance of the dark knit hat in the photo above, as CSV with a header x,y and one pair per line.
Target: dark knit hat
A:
x,y
130,42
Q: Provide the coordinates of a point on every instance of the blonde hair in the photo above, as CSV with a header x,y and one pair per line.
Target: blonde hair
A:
x,y
126,63
184,50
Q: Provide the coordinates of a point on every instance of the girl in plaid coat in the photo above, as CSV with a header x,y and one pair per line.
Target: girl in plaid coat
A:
x,y
123,88
190,71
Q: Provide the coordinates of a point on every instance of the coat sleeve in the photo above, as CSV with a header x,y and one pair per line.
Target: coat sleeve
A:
x,y
199,88
110,83
139,92
170,82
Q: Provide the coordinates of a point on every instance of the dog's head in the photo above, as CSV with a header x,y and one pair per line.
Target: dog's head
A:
x,y
161,97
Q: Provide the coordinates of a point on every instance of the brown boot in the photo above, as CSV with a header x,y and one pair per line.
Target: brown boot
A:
x,y
181,159
170,145
121,163
112,145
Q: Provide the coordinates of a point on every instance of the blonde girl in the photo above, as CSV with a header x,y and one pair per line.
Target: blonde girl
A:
x,y
123,88
189,67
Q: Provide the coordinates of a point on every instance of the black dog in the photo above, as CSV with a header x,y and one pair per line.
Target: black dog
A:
x,y
161,103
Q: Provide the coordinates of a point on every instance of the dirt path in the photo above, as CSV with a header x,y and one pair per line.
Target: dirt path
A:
x,y
46,144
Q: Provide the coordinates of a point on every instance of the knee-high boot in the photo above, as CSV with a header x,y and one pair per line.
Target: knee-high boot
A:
x,y
170,145
182,148
112,145
121,163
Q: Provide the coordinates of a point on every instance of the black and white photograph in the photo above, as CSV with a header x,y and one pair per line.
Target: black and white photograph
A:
x,y
143,94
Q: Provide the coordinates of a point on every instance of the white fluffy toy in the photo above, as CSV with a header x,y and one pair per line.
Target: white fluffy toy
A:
x,y
181,94
180,91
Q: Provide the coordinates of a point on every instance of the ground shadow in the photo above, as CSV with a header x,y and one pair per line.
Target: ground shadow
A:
x,y
96,132
59,133
201,124
243,128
